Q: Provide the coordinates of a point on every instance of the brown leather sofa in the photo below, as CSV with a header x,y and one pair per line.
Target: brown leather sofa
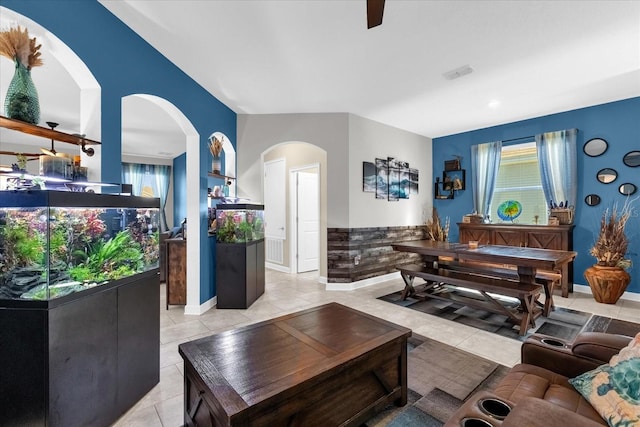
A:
x,y
537,392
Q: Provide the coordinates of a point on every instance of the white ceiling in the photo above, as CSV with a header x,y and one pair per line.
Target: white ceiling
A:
x,y
531,58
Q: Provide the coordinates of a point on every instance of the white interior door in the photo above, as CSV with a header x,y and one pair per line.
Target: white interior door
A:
x,y
308,221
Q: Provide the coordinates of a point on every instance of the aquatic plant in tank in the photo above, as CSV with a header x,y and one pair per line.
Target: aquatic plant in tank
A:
x,y
239,225
48,252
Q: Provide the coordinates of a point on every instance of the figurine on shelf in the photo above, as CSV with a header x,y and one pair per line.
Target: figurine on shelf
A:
x,y
457,183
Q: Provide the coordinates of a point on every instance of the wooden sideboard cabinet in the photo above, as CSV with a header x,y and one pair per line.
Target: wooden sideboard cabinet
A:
x,y
176,272
558,237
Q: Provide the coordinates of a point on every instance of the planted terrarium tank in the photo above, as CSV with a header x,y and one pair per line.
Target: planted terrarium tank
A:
x,y
55,243
239,223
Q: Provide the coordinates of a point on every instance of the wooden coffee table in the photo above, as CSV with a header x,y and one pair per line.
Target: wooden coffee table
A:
x,y
328,365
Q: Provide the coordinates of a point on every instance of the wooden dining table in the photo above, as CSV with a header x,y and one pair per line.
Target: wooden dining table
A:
x,y
527,261
487,268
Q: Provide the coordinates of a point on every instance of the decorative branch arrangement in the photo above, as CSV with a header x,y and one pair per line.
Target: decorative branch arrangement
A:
x,y
435,229
611,245
16,45
215,146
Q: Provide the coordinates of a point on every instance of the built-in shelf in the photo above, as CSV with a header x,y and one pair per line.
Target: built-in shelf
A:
x,y
217,175
20,126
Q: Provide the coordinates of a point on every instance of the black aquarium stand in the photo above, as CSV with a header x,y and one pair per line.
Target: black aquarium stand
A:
x,y
239,273
83,359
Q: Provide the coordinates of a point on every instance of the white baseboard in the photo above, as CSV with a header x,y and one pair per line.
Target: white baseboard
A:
x,y
362,283
585,289
197,310
322,280
277,267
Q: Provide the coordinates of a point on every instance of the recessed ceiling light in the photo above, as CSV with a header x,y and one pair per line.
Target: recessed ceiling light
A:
x,y
458,72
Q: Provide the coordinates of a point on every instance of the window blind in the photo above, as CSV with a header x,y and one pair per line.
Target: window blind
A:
x,y
519,179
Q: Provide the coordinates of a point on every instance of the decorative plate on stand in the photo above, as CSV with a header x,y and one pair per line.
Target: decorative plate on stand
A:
x,y
509,210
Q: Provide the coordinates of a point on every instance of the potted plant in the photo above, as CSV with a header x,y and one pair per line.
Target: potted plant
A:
x,y
608,278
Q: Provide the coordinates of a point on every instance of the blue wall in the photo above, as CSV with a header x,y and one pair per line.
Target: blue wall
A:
x,y
616,122
179,189
124,64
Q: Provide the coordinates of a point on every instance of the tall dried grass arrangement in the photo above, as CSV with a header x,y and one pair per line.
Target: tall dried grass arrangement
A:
x,y
436,230
215,146
16,45
611,245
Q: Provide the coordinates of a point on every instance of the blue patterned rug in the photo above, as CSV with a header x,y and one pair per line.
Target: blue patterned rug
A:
x,y
562,323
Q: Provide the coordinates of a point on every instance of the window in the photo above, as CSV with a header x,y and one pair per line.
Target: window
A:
x,y
519,179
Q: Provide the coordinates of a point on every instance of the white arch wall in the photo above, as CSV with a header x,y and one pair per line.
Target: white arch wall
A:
x,y
82,113
192,140
229,161
298,155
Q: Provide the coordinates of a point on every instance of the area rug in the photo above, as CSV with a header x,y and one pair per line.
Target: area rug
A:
x,y
562,323
440,379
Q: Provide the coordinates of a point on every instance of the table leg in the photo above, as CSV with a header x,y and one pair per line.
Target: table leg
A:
x,y
527,274
548,298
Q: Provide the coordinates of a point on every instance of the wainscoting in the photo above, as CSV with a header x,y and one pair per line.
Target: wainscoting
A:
x,y
373,246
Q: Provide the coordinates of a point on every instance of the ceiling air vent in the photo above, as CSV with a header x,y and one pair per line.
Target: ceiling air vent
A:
x,y
458,72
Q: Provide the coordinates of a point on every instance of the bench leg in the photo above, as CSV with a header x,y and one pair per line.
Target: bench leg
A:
x,y
408,290
528,318
548,298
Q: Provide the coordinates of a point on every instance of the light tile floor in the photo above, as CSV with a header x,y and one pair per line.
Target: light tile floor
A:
x,y
286,293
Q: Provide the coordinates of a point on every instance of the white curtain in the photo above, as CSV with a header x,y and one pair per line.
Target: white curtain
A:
x,y
162,176
558,166
133,173
155,176
485,161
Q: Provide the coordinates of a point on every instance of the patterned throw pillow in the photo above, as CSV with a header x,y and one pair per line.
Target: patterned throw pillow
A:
x,y
614,389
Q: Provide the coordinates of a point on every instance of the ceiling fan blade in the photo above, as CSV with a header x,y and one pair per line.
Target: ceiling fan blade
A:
x,y
48,152
375,9
15,153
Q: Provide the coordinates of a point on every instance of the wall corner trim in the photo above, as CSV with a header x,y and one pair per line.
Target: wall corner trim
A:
x,y
362,283
197,310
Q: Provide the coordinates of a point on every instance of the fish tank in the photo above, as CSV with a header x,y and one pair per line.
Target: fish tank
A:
x,y
56,243
239,223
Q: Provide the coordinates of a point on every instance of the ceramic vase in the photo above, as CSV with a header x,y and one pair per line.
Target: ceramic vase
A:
x,y
21,102
607,283
216,164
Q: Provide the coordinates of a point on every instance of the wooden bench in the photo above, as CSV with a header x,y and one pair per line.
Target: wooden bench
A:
x,y
548,279
527,293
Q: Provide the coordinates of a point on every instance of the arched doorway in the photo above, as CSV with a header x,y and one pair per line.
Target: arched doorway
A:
x,y
192,144
294,160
